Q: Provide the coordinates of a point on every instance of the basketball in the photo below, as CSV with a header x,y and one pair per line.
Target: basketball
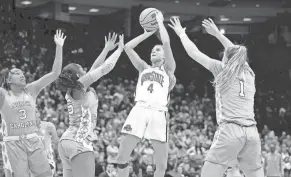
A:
x,y
147,19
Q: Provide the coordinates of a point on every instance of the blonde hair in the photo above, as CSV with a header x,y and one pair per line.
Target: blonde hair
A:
x,y
237,58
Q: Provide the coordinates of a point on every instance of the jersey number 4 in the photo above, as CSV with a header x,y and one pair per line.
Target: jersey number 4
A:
x,y
242,88
151,88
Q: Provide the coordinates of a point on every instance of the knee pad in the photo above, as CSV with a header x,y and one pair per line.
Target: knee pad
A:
x,y
122,166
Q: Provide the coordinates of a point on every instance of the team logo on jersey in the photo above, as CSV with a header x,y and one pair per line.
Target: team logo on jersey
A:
x,y
127,128
153,76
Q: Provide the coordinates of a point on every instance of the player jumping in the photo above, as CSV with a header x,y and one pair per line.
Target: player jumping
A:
x,y
75,147
237,138
147,118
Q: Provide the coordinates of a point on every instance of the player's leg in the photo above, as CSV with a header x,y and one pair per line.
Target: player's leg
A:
x,y
127,143
83,164
67,166
211,169
228,141
14,157
161,157
250,157
37,158
133,130
157,132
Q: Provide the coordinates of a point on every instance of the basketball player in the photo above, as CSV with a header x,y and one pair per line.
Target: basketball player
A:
x,y
75,147
22,149
147,118
237,137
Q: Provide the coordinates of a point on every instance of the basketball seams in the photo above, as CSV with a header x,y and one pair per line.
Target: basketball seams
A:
x,y
146,15
147,22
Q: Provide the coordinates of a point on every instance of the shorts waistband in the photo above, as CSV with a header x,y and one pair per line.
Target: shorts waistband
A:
x,y
153,107
238,124
21,137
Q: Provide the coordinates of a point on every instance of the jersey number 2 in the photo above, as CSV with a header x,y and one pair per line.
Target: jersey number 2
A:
x,y
23,114
242,89
151,88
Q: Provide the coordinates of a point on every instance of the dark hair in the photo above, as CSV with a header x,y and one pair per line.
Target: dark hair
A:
x,y
68,79
5,84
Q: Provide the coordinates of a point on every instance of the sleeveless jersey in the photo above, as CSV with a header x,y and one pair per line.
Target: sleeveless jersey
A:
x,y
81,118
236,105
18,114
153,87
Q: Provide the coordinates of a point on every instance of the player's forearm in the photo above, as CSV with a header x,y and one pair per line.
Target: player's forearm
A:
x,y
134,42
109,64
163,33
188,44
57,66
223,40
100,59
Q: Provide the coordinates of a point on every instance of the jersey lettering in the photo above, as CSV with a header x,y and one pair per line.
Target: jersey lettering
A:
x,y
22,114
153,76
22,124
242,88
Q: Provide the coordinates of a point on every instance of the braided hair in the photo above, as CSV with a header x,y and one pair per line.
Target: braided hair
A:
x,y
68,79
5,83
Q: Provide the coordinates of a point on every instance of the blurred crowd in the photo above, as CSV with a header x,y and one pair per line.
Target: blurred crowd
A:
x,y
192,122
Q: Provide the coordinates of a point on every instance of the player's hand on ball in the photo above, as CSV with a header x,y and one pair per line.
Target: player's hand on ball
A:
x,y
210,26
60,38
159,17
149,33
176,26
110,41
121,42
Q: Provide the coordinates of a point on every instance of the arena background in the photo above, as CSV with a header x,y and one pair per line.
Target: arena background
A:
x,y
26,42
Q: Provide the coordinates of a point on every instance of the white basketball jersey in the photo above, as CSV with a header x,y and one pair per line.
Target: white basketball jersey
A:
x,y
153,87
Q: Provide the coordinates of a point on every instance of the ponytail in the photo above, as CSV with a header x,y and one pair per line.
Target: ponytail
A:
x,y
68,79
234,67
5,83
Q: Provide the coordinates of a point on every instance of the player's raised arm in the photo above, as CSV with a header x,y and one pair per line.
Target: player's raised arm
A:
x,y
212,29
189,46
137,62
36,86
170,63
109,45
105,68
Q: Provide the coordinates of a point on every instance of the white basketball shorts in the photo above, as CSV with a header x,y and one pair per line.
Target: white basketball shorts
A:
x,y
147,123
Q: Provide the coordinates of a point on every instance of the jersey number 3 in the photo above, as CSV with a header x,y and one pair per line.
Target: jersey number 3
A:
x,y
242,89
151,88
22,114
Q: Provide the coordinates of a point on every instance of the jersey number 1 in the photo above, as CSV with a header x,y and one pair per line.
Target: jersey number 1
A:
x,y
151,88
242,89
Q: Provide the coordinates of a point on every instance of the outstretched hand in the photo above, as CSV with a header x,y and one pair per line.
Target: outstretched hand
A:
x,y
59,38
110,41
210,26
176,26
